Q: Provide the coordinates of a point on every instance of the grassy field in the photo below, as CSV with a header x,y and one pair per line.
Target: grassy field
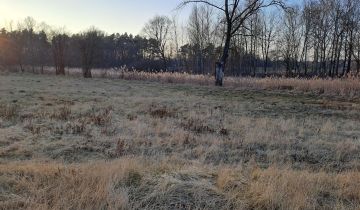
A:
x,y
73,143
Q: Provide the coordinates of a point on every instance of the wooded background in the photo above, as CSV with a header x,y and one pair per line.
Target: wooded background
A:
x,y
311,38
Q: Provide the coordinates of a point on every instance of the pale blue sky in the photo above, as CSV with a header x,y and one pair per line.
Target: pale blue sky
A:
x,y
77,15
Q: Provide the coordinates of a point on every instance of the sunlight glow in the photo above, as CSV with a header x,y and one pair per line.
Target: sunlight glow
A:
x,y
110,15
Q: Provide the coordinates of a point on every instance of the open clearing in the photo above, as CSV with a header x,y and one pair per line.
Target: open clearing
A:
x,y
73,143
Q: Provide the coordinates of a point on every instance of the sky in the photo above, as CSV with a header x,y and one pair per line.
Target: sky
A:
x,y
78,15
111,16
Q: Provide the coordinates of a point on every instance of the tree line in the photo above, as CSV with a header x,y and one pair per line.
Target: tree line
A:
x,y
248,37
30,47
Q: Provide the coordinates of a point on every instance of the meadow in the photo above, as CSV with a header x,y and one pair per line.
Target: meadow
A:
x,y
129,140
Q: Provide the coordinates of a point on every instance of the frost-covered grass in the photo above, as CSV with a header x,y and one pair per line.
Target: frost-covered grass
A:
x,y
73,143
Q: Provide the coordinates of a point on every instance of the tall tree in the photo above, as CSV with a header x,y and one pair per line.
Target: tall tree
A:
x,y
235,13
200,33
42,49
158,29
59,45
90,44
289,43
268,33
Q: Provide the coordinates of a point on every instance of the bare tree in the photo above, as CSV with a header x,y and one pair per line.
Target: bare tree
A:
x,y
42,49
8,50
90,42
306,21
235,12
268,33
59,45
29,25
356,48
158,29
351,21
289,43
201,32
253,29
175,41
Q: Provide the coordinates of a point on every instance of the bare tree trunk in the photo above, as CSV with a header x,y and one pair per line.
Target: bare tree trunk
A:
x,y
345,59
21,68
220,66
350,52
164,61
338,56
266,62
358,59
305,61
87,73
62,69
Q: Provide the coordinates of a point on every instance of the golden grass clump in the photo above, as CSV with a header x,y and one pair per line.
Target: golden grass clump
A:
x,y
55,186
9,111
62,113
288,189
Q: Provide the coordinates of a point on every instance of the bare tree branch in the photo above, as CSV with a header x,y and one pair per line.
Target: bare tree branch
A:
x,y
184,3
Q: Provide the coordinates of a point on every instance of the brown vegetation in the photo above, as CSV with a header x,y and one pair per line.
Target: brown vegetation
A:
x,y
115,144
130,183
8,111
348,86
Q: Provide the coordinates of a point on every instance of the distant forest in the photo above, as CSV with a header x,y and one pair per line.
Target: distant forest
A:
x,y
312,38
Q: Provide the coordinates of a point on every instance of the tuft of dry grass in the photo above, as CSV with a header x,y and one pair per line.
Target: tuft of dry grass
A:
x,y
102,117
198,126
77,127
288,189
9,111
62,113
161,112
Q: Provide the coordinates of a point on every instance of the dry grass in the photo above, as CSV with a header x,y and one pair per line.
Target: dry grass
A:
x,y
143,184
347,86
8,111
117,144
342,87
288,189
55,186
63,113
